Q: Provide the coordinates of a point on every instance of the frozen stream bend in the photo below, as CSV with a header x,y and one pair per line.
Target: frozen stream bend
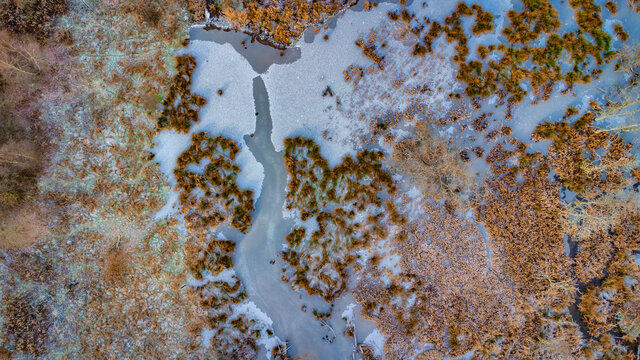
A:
x,y
262,244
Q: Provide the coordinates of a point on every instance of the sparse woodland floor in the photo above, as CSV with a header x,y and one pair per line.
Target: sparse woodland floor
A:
x,y
497,266
101,279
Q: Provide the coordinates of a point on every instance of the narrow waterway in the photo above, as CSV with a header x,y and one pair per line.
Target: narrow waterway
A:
x,y
259,267
259,56
256,259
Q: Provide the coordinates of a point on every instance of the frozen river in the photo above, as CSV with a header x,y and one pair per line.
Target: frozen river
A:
x,y
259,267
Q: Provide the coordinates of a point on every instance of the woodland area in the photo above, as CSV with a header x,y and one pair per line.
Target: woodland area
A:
x,y
78,249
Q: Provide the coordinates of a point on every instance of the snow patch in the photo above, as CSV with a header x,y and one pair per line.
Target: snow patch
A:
x,y
170,207
263,323
376,340
226,275
169,145
295,90
251,311
207,335
348,313
232,114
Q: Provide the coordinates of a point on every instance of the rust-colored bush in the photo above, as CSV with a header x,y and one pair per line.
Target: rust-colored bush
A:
x,y
223,200
319,260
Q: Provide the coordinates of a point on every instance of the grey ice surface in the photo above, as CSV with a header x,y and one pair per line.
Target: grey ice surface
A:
x,y
264,242
259,56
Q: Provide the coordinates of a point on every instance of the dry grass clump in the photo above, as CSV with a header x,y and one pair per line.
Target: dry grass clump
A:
x,y
597,166
612,7
389,89
117,262
433,165
130,298
371,51
452,27
279,23
234,335
599,225
213,257
460,302
208,200
223,200
21,228
99,181
481,123
620,33
146,12
611,309
460,293
197,8
179,117
335,199
581,155
527,222
543,251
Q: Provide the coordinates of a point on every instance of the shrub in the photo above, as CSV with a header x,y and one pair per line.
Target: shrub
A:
x,y
26,324
148,12
435,167
35,17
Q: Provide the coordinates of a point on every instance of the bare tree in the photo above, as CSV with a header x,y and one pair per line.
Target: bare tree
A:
x,y
17,155
624,100
20,55
601,213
